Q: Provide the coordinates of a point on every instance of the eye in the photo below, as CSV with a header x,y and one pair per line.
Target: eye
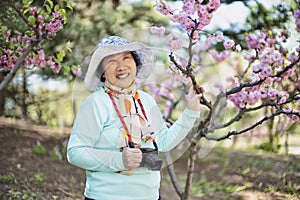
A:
x,y
126,57
110,62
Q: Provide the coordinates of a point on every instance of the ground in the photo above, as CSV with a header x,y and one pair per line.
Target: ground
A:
x,y
34,166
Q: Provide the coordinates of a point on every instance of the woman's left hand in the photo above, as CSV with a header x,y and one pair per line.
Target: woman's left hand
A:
x,y
193,99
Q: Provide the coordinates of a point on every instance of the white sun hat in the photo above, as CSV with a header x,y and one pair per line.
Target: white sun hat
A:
x,y
113,45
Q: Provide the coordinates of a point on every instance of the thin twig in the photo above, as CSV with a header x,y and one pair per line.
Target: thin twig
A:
x,y
266,118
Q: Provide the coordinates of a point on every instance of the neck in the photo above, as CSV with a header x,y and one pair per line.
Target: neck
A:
x,y
118,90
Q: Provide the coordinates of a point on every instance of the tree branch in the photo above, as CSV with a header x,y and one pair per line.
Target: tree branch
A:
x,y
230,133
18,64
239,88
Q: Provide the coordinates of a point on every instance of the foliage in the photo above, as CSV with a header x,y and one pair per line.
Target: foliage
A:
x,y
10,178
71,47
38,149
25,193
23,46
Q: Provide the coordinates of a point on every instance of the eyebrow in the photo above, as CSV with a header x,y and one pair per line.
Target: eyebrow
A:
x,y
113,58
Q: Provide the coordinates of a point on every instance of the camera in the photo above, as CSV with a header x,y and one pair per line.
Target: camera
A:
x,y
150,159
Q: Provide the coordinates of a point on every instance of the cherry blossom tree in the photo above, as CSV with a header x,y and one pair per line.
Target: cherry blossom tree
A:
x,y
269,80
24,47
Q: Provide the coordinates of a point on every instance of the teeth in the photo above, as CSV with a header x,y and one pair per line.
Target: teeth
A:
x,y
122,76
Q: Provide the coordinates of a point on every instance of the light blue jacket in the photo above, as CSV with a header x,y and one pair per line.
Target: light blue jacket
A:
x,y
93,141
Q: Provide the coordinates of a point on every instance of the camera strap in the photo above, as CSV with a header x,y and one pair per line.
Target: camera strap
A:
x,y
135,97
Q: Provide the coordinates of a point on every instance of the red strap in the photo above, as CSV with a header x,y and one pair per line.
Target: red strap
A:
x,y
136,96
120,116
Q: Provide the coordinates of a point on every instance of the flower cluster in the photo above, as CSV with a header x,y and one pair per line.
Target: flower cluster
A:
x,y
173,44
37,58
46,29
158,30
272,75
39,29
297,17
271,86
251,95
54,25
193,16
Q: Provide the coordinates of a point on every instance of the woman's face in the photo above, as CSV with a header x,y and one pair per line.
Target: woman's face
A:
x,y
119,69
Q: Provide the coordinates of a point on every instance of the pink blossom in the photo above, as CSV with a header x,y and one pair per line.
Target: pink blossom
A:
x,y
7,34
195,35
253,97
297,14
54,25
238,47
288,73
57,69
33,10
228,44
169,37
271,41
213,5
25,39
220,87
272,94
51,62
20,49
197,7
264,93
164,92
163,8
239,99
266,71
76,70
297,17
219,56
196,68
292,58
184,62
202,11
188,7
14,40
294,117
40,19
187,23
283,97
219,37
249,57
158,30
252,41
175,45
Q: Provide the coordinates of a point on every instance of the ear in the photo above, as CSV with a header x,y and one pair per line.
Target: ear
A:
x,y
102,78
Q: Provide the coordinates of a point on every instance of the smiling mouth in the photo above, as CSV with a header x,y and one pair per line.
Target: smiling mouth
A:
x,y
121,76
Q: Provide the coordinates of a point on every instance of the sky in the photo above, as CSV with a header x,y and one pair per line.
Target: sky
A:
x,y
234,13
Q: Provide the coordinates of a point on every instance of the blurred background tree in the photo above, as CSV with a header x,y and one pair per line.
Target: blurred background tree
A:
x,y
90,20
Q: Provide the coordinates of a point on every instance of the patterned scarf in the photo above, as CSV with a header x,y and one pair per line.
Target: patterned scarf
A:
x,y
130,112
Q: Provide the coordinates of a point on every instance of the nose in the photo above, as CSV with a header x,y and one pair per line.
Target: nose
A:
x,y
121,67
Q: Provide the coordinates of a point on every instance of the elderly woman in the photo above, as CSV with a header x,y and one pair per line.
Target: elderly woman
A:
x,y
118,129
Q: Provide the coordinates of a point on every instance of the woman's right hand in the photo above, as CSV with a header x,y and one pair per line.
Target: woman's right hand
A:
x,y
132,158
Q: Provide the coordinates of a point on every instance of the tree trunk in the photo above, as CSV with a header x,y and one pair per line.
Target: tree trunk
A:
x,y
190,170
24,105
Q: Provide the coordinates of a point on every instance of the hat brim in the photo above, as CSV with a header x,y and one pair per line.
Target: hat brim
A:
x,y
91,80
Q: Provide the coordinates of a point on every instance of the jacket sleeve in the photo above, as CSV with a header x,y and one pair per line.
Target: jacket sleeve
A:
x,y
85,133
168,138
